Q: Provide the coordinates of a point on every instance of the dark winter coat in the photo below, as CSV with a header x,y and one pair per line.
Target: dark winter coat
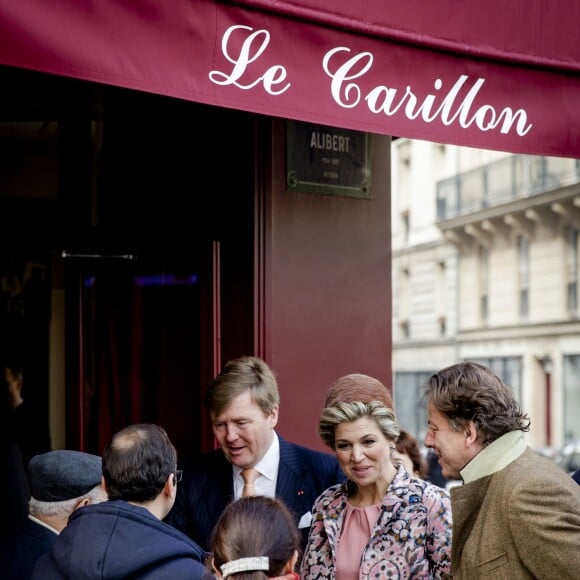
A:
x,y
113,540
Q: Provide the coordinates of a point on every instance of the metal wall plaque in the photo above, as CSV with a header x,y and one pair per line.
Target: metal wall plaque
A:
x,y
327,160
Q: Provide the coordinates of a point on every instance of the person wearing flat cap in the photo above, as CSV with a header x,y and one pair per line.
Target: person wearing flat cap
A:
x,y
125,537
61,482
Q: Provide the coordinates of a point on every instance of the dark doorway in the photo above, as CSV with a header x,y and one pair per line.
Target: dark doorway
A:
x,y
140,209
137,345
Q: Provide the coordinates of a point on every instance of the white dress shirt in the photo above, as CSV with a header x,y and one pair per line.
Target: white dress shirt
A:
x,y
268,468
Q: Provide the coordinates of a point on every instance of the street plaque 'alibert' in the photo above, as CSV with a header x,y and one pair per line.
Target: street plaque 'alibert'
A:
x,y
327,160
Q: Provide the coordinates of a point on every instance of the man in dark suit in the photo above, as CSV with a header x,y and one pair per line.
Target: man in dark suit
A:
x,y
243,402
61,482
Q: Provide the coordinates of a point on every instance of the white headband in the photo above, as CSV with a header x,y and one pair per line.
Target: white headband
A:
x,y
244,565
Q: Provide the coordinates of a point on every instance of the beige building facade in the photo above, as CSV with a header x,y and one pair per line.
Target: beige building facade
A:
x,y
485,268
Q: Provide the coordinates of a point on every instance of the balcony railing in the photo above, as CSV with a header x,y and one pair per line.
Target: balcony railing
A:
x,y
502,181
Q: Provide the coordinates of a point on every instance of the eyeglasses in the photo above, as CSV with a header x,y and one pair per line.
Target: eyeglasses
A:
x,y
178,475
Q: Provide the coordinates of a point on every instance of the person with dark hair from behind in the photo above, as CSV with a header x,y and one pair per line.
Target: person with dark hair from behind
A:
x,y
243,403
516,514
255,538
61,481
408,454
125,537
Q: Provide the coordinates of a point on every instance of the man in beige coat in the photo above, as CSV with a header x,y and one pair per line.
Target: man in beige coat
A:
x,y
517,514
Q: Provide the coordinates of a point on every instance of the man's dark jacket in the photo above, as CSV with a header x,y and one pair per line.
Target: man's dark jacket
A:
x,y
116,539
207,487
20,552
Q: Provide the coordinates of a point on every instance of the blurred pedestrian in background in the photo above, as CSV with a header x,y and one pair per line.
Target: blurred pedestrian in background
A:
x,y
517,514
434,474
14,486
408,454
24,425
382,522
255,538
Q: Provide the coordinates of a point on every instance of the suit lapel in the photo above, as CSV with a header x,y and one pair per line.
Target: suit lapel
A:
x,y
290,483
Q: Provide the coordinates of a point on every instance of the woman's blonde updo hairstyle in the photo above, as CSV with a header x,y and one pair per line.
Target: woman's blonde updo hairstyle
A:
x,y
341,413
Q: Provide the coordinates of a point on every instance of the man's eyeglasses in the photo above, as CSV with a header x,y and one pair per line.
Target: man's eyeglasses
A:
x,y
178,475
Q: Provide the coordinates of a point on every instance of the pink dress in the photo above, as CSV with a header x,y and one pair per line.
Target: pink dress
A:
x,y
356,532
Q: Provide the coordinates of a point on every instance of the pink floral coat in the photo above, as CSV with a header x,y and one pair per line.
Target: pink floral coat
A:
x,y
411,539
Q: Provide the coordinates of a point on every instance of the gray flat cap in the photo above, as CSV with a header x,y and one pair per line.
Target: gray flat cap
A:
x,y
63,474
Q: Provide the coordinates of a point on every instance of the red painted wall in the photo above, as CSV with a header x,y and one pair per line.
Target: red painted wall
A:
x,y
328,297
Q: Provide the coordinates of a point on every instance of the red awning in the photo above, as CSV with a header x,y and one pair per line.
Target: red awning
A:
x,y
497,75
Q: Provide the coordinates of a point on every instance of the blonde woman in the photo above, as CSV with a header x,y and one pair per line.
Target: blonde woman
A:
x,y
383,522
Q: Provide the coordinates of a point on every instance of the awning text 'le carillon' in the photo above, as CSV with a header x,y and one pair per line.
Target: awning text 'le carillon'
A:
x,y
449,74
